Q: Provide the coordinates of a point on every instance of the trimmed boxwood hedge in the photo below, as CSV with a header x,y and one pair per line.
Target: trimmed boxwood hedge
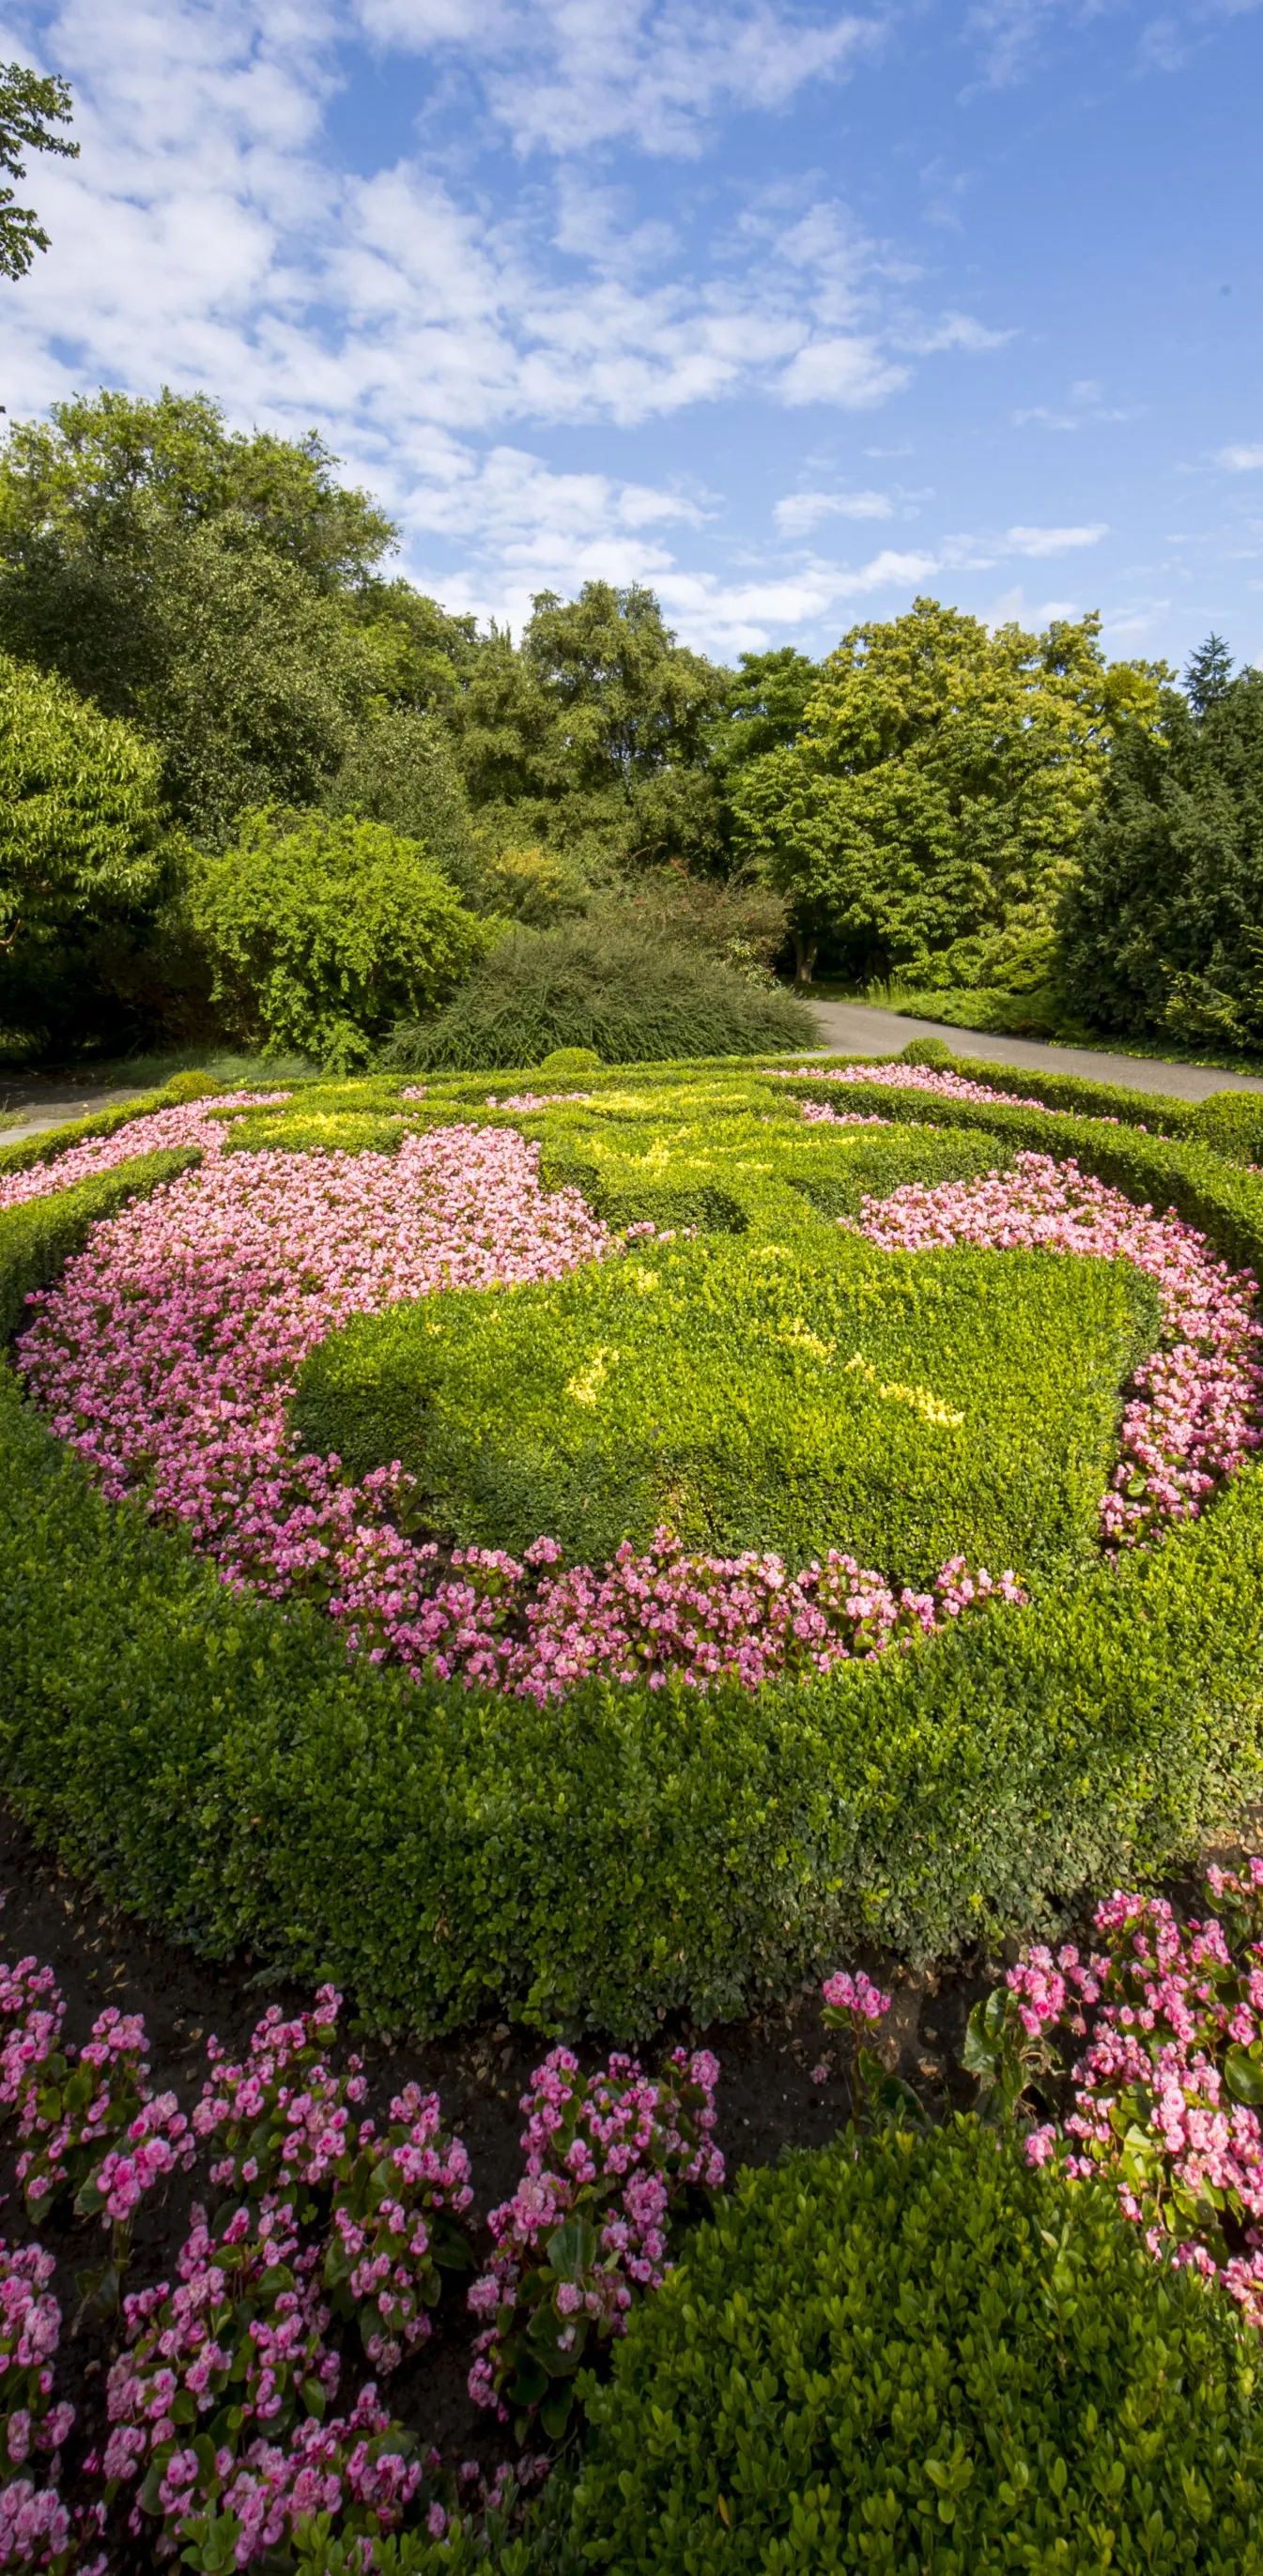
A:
x,y
914,2356
217,1765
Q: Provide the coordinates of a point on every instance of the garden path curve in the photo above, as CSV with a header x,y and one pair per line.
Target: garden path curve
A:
x,y
857,1028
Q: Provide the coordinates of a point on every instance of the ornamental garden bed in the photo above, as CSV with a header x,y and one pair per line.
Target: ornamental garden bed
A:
x,y
568,1558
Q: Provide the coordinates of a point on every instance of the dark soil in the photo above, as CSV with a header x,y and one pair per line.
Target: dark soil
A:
x,y
766,2101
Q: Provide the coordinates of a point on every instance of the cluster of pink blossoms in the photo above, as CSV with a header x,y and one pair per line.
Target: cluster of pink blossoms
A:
x,y
513,1627
610,2159
185,1125
220,2436
169,1349
937,1081
1163,2096
1194,1414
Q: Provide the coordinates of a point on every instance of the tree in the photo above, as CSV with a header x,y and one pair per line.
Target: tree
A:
x,y
592,736
426,654
629,700
82,828
30,102
401,770
1209,674
322,932
937,793
1162,935
257,686
194,580
763,706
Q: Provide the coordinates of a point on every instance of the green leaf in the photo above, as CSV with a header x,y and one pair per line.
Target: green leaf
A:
x,y
1243,2074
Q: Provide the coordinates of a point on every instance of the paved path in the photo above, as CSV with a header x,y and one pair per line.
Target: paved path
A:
x,y
34,1103
855,1028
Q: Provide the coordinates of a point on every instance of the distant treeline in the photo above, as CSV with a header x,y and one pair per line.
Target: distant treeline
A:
x,y
205,658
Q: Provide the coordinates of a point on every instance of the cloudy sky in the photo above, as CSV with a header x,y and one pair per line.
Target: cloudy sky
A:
x,y
792,313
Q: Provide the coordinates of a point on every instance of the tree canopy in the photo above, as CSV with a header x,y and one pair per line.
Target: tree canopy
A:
x,y
30,104
82,830
940,784
1163,931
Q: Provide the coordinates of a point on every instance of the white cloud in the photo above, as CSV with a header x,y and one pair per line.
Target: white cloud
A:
x,y
1240,460
951,331
849,372
565,75
801,511
1052,541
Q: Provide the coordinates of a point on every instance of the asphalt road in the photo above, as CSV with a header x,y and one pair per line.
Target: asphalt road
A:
x,y
855,1028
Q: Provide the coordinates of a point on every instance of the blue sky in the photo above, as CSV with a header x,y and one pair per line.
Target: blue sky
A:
x,y
789,312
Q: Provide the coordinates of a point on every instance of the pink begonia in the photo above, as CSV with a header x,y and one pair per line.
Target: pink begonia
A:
x,y
158,1131
1161,2007
1194,1415
932,1079
616,2151
36,2528
856,1995
524,1100
168,1351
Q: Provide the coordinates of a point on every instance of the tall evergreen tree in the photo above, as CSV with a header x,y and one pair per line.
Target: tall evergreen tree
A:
x,y
1162,935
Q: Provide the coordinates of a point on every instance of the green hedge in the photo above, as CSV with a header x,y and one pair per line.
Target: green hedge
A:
x,y
221,1770
916,2357
40,1236
755,1395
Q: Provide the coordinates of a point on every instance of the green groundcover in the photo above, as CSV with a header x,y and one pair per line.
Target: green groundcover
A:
x,y
216,1764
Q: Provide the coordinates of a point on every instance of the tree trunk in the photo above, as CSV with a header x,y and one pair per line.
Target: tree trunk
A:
x,y
804,960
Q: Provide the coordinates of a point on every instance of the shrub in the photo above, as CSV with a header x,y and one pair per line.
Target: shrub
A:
x,y
743,925
321,932
605,988
1232,1121
916,2355
565,1060
911,1407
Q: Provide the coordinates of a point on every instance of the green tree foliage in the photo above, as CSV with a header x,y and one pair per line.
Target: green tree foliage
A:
x,y
939,790
195,580
762,708
323,931
259,686
592,735
81,822
401,770
1163,932
426,654
30,103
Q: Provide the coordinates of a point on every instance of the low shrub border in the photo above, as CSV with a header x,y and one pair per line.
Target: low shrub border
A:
x,y
916,2354
219,1767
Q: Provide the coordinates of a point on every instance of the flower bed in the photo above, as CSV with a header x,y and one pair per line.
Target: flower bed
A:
x,y
429,1846
168,1353
317,2248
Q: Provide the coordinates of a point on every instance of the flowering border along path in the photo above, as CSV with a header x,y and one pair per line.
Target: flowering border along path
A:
x,y
168,1351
